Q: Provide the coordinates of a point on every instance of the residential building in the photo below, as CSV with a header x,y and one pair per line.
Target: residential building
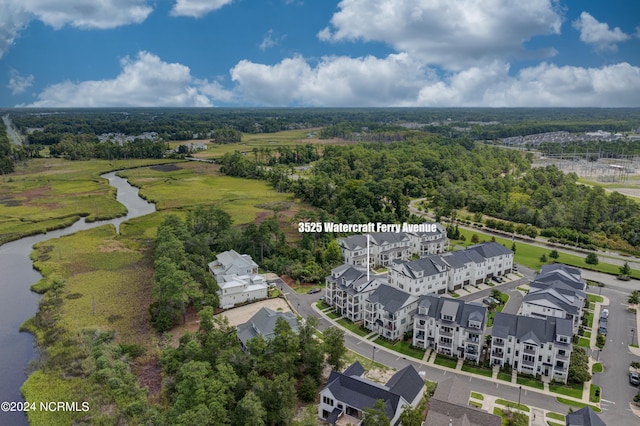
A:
x,y
451,271
263,323
348,287
389,312
423,276
346,395
433,242
583,417
557,291
532,345
449,406
449,326
237,278
387,247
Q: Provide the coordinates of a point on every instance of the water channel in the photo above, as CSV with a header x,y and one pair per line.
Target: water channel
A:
x,y
18,303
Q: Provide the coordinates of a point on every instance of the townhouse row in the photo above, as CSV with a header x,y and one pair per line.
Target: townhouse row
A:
x,y
386,247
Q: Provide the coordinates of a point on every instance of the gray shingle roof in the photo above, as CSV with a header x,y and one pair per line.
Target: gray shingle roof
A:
x,y
490,249
550,295
360,393
443,413
428,265
406,383
353,242
263,323
584,417
390,298
434,303
527,328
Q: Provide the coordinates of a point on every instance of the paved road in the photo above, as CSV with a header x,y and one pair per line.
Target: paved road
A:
x,y
11,130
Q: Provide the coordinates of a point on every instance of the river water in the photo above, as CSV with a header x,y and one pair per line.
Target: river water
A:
x,y
18,303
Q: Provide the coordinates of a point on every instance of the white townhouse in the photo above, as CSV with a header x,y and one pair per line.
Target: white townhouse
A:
x,y
387,247
237,278
557,291
348,287
389,312
532,345
462,269
449,326
498,260
433,242
347,395
423,276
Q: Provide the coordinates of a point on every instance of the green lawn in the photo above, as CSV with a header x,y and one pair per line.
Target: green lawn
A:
x,y
401,347
594,298
504,376
513,404
475,404
322,306
556,416
355,328
527,381
477,395
585,343
587,335
529,255
476,369
574,391
577,404
589,318
550,423
592,393
333,315
597,367
445,362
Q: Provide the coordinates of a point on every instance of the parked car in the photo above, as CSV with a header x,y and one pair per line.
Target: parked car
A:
x,y
487,301
604,315
314,290
634,378
496,279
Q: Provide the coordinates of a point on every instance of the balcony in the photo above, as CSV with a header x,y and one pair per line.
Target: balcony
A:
x,y
443,332
446,343
564,355
497,343
528,362
529,351
497,353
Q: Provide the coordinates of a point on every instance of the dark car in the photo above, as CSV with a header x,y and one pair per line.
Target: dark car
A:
x,y
634,379
314,290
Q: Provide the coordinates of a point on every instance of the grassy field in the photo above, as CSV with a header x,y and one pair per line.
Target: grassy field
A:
x,y
401,347
576,404
574,391
185,185
504,376
594,298
593,389
529,255
49,194
476,369
597,368
445,362
477,395
527,381
355,328
555,416
513,404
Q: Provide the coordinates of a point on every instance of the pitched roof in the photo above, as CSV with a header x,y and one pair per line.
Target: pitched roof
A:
x,y
354,242
424,267
490,249
263,323
355,369
406,383
434,304
584,417
442,413
553,297
523,328
452,390
390,298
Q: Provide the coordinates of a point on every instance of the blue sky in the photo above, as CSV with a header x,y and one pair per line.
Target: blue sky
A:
x,y
432,53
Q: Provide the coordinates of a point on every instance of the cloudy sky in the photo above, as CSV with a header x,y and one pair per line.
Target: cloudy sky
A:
x,y
184,53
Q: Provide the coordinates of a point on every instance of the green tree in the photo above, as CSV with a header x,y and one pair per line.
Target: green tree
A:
x,y
579,366
543,258
591,259
412,416
334,347
625,270
376,415
554,254
250,411
513,247
475,239
634,297
311,351
331,255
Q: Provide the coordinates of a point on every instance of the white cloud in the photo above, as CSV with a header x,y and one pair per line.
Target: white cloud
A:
x,y
399,80
598,34
15,15
454,34
144,81
269,40
197,8
19,83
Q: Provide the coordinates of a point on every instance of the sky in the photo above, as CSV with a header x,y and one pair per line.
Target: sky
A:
x,y
320,53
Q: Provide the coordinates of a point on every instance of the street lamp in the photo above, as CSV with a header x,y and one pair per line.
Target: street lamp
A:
x,y
633,336
519,395
373,355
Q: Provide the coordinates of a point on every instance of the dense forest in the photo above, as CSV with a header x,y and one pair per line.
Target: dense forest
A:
x,y
374,182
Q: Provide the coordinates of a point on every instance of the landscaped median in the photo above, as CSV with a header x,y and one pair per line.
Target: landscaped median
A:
x,y
577,404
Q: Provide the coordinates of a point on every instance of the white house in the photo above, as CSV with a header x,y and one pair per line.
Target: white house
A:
x,y
346,395
389,312
532,346
237,278
433,242
348,287
450,327
423,276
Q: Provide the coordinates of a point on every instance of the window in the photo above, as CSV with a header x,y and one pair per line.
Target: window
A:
x,y
327,400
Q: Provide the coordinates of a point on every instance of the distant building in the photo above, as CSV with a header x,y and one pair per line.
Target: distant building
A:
x,y
347,289
263,323
346,395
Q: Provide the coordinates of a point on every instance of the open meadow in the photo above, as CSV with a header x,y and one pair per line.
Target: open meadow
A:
x,y
184,185
53,193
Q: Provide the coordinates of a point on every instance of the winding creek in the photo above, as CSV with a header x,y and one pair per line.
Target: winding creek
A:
x,y
18,303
